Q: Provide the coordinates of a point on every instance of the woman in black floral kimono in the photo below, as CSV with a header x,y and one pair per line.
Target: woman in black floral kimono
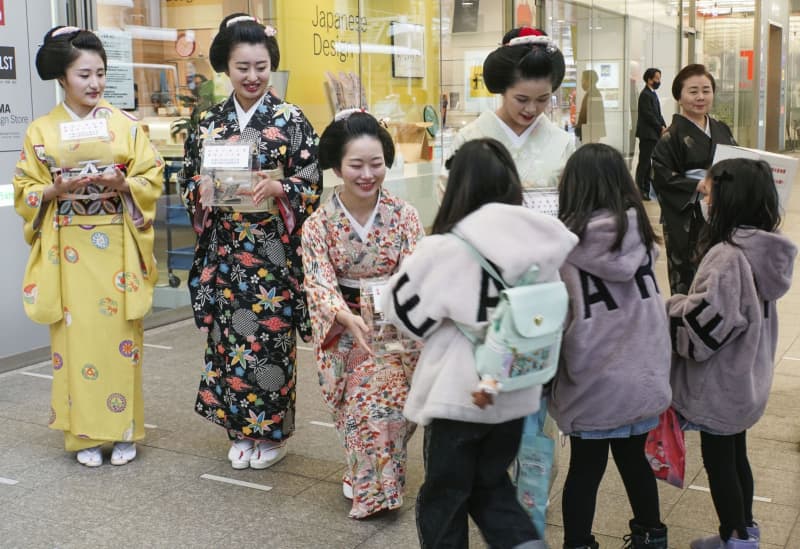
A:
x,y
680,160
246,279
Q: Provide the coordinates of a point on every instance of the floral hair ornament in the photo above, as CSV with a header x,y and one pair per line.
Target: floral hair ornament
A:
x,y
533,37
65,30
346,113
270,31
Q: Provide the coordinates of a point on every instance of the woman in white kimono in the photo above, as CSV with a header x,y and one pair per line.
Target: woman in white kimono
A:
x,y
362,232
526,70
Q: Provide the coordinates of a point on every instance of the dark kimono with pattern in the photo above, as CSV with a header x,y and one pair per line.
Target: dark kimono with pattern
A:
x,y
685,147
246,279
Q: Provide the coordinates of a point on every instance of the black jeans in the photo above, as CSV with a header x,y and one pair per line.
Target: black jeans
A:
x,y
587,465
730,480
644,167
466,473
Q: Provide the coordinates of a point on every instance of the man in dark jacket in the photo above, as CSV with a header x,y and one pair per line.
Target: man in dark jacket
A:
x,y
649,127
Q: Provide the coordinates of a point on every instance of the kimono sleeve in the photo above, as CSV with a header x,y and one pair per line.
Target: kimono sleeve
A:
x,y
555,176
669,167
32,176
321,286
41,283
191,174
709,317
145,178
412,232
302,181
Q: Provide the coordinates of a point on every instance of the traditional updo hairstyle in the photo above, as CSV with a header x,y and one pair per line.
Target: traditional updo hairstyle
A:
x,y
687,72
61,47
347,126
240,28
526,54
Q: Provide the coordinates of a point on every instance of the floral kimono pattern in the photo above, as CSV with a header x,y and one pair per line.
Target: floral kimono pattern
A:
x,y
246,280
684,149
366,394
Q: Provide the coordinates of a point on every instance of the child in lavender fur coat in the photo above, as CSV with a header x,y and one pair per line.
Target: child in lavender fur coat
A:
x,y
724,334
613,376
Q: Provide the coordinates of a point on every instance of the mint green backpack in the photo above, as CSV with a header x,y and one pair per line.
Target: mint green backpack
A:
x,y
522,342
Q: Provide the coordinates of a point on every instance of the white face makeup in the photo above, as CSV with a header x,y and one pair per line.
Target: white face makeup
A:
x,y
249,67
84,82
524,102
363,168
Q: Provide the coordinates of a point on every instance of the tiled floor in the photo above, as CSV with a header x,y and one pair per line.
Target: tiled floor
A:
x,y
162,499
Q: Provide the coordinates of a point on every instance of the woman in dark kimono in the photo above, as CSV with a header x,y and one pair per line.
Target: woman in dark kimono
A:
x,y
246,279
680,161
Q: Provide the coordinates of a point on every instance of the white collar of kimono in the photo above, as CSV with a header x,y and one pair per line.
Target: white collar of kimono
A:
x,y
518,140
361,230
706,129
245,116
73,115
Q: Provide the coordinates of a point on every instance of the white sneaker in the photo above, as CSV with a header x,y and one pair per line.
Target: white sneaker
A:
x,y
267,453
123,453
90,457
347,488
240,453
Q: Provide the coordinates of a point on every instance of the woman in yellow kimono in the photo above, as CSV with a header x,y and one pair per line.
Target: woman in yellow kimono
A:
x,y
91,271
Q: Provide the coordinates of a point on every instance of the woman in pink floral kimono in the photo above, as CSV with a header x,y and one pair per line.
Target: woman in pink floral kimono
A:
x,y
362,232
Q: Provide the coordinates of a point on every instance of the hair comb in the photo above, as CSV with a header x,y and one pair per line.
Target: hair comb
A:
x,y
240,19
529,36
346,113
65,30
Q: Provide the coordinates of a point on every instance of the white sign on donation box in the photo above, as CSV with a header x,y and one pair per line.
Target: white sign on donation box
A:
x,y
230,166
784,168
227,157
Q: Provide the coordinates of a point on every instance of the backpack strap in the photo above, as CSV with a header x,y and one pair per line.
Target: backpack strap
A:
x,y
482,260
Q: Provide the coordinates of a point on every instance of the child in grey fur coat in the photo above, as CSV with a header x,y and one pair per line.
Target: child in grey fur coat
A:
x,y
616,342
724,334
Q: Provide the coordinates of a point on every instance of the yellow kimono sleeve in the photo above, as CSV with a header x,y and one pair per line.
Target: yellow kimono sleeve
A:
x,y
31,177
41,283
145,179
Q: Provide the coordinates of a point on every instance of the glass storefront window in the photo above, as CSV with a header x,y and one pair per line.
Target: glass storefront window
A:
x,y
415,63
611,44
382,55
725,46
793,78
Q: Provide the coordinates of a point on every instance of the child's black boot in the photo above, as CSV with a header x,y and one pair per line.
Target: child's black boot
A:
x,y
646,538
592,544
